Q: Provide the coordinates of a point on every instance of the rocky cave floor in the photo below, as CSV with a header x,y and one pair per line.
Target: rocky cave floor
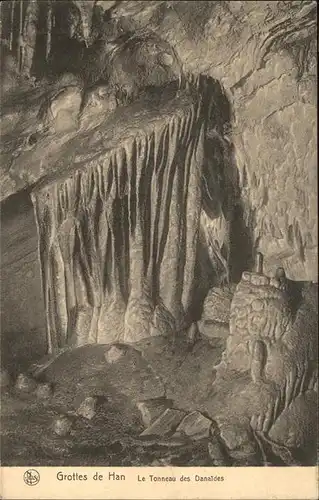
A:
x,y
118,405
117,382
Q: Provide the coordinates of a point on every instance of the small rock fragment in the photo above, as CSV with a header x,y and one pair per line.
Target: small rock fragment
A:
x,y
195,426
162,462
44,391
113,354
87,408
238,439
26,384
165,424
62,425
156,463
152,409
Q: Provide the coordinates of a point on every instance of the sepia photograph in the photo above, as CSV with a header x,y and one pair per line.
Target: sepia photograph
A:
x,y
159,236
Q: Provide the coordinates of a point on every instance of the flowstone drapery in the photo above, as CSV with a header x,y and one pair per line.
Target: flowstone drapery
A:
x,y
118,235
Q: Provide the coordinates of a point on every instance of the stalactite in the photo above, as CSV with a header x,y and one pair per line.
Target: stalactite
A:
x,y
53,15
112,308
192,209
11,24
49,26
170,249
86,10
1,27
29,35
141,162
156,189
20,39
118,239
140,303
58,290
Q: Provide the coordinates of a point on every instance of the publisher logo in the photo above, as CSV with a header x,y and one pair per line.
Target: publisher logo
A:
x,y
31,477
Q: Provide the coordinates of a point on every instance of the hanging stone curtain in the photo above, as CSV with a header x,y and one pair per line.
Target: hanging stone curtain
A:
x,y
118,238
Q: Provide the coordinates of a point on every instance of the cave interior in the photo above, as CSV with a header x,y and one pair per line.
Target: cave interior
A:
x,y
147,316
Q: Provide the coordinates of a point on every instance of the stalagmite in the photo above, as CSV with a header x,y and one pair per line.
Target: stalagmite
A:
x,y
259,263
118,237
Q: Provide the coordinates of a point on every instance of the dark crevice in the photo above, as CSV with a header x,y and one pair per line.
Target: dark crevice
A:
x,y
241,245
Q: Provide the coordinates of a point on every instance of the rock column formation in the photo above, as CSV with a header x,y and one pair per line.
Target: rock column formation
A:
x,y
118,234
